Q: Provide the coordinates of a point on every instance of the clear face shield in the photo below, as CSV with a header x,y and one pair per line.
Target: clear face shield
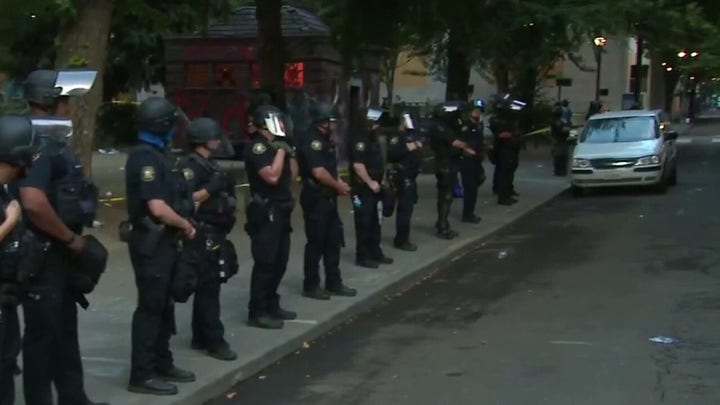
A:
x,y
407,121
74,83
53,135
275,124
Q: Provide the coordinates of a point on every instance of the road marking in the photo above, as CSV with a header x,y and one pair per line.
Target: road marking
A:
x,y
304,321
715,140
570,342
684,140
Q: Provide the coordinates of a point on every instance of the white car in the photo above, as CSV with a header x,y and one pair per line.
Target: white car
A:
x,y
624,148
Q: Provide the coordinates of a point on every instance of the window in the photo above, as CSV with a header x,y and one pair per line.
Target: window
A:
x,y
196,75
225,75
612,130
294,74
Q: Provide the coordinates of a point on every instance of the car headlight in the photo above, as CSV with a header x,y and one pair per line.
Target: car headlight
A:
x,y
648,161
581,163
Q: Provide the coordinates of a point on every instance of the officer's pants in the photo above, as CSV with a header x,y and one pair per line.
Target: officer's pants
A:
x,y
154,319
270,246
367,227
472,174
446,178
51,353
207,328
10,344
406,199
507,163
324,232
560,158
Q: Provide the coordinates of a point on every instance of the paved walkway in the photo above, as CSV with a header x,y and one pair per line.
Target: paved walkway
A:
x,y
105,327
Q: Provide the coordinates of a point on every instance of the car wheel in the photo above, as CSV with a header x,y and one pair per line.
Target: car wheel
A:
x,y
578,191
672,180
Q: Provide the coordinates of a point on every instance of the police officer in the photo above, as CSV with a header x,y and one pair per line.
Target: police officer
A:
x,y
471,168
506,148
404,160
214,196
16,152
59,202
318,198
158,211
271,166
366,178
559,131
449,149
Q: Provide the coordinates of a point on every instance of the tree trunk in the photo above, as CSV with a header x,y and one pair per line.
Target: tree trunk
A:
x,y
84,44
271,55
501,73
389,67
458,69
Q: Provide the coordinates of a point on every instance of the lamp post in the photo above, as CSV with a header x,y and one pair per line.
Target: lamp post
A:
x,y
599,42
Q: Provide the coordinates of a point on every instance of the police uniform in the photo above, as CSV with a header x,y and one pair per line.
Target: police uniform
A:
x,y
154,251
214,219
404,169
447,166
269,227
507,151
323,226
365,150
472,173
16,150
559,131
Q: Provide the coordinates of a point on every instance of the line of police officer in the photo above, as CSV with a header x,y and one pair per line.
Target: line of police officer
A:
x,y
46,265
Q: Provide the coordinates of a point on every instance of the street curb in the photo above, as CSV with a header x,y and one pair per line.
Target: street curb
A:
x,y
403,282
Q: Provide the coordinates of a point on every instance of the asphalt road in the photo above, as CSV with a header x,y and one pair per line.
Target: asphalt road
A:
x,y
557,309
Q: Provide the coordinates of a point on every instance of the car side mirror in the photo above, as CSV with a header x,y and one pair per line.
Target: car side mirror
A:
x,y
670,135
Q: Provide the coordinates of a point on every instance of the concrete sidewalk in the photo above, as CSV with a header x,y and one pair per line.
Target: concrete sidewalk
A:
x,y
105,327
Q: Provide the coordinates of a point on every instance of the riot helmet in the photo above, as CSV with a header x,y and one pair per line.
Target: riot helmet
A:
x,y
40,89
157,116
16,141
373,115
45,88
478,104
407,121
269,118
203,130
323,112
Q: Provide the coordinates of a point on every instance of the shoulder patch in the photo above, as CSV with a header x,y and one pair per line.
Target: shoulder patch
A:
x,y
460,121
393,140
464,128
148,173
360,146
259,148
316,145
189,174
36,156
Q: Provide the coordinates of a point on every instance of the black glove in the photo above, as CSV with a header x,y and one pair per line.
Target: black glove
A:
x,y
217,183
284,146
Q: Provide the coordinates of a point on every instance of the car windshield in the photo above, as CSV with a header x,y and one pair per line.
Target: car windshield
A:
x,y
612,130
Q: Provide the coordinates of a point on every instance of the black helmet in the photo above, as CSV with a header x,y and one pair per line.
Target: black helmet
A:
x,y
40,88
157,116
270,118
203,130
323,112
16,140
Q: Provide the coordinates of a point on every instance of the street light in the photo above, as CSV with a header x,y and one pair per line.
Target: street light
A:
x,y
694,54
599,41
682,54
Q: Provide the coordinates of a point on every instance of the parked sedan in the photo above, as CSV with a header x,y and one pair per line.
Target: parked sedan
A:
x,y
624,148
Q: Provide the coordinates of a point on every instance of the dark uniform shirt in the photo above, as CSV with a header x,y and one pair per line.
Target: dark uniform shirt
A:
x,y
472,134
44,174
199,172
399,155
443,135
317,150
148,176
365,149
502,123
258,155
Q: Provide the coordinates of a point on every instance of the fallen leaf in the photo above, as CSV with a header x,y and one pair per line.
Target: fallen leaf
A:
x,y
306,345
231,395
